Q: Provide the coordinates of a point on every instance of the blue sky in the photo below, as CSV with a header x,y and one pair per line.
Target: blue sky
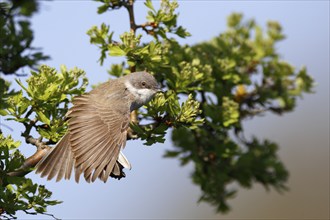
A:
x,y
160,188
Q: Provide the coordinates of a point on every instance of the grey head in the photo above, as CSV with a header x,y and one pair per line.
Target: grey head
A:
x,y
142,86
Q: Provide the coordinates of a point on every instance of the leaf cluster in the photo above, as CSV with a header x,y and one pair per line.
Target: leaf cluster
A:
x,y
40,106
164,20
43,103
249,79
166,111
16,36
18,193
211,87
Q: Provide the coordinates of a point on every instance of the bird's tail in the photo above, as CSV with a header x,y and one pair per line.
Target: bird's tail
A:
x,y
58,162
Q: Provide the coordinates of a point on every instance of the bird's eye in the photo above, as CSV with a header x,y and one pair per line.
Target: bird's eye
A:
x,y
144,84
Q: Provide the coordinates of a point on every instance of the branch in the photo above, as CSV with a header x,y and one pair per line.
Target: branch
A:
x,y
30,162
148,24
42,149
129,6
130,9
36,142
5,215
28,126
36,213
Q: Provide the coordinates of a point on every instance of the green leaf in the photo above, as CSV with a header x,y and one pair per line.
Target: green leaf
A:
x,y
172,153
181,32
21,84
102,9
116,51
148,3
230,112
3,112
43,117
136,128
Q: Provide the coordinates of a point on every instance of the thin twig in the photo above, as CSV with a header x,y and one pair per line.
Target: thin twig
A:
x,y
144,27
36,213
28,113
20,74
129,6
5,215
28,127
30,162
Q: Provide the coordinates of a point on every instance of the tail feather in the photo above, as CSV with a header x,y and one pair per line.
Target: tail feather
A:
x,y
58,162
65,169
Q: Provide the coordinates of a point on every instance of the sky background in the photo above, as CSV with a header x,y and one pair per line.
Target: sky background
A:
x,y
160,188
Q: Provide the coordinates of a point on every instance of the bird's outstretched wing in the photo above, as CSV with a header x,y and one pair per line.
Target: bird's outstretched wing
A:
x,y
97,132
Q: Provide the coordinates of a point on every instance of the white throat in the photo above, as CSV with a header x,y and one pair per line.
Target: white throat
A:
x,y
142,96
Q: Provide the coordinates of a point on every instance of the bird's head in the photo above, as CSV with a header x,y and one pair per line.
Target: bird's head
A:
x,y
143,86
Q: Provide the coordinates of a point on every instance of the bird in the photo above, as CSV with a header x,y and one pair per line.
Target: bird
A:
x,y
97,130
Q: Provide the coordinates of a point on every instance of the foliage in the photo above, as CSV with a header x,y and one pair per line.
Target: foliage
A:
x,y
48,94
236,75
41,105
16,36
41,108
209,89
18,193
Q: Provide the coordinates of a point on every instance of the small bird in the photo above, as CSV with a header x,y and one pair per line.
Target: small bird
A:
x,y
97,130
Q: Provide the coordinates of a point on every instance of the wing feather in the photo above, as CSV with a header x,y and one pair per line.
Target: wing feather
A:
x,y
108,169
96,135
69,167
101,160
82,124
98,123
87,136
97,165
108,161
92,155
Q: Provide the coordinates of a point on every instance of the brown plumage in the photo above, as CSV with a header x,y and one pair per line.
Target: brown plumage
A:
x,y
97,129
